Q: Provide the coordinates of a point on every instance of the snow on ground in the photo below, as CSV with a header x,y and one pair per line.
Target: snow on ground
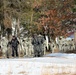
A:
x,y
72,55
51,64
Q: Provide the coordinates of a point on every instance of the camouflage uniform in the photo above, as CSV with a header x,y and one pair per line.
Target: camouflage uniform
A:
x,y
38,45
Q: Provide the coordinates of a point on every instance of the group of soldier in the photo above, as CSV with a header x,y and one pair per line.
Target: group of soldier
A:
x,y
36,46
37,42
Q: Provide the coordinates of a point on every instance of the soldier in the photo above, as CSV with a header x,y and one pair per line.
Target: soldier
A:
x,y
14,43
38,45
9,50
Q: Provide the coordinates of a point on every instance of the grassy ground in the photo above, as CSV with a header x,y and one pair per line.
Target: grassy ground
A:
x,y
74,51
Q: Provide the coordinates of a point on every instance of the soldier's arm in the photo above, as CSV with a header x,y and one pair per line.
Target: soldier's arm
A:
x,y
9,43
42,40
18,42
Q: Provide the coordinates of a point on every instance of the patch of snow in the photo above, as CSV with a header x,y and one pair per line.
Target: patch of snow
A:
x,y
51,64
72,55
68,38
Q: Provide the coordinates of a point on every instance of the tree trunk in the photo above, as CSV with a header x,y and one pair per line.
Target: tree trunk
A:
x,y
75,38
18,27
31,21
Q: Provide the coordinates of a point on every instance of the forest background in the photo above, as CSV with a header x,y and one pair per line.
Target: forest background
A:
x,y
49,17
